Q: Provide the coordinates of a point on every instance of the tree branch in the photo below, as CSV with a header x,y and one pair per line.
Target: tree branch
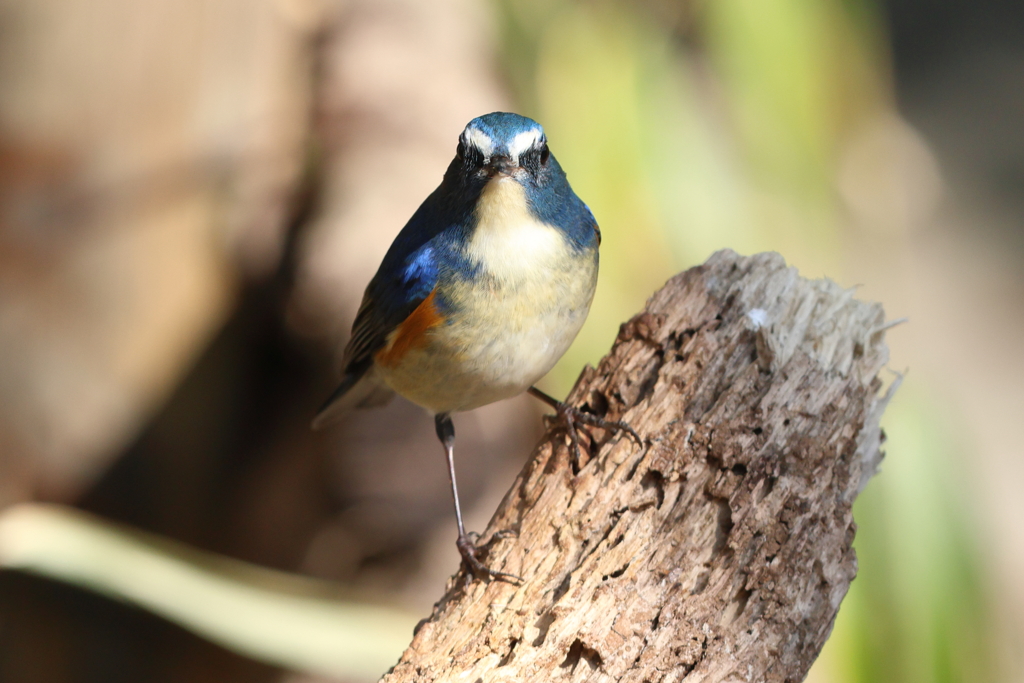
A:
x,y
720,552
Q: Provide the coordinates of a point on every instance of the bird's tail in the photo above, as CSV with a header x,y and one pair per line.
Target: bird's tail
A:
x,y
358,389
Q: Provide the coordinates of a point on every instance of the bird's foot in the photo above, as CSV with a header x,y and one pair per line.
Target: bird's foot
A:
x,y
572,418
468,550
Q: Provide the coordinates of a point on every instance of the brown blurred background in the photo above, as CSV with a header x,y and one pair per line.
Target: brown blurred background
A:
x,y
193,194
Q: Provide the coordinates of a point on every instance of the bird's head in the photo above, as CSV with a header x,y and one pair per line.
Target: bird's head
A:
x,y
502,145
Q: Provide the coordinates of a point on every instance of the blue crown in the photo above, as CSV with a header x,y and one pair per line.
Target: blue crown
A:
x,y
502,133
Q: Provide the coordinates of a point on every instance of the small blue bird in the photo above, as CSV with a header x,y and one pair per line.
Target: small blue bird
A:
x,y
480,294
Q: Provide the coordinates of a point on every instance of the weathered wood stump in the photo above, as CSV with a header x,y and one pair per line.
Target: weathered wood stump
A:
x,y
721,551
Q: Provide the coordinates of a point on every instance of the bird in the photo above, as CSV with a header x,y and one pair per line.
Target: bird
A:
x,y
479,295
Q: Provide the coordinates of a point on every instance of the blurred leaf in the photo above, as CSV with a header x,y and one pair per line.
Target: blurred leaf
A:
x,y
282,619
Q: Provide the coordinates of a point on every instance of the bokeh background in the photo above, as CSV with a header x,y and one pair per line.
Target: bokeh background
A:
x,y
193,194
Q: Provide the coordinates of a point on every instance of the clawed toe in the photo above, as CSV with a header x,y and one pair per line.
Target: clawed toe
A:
x,y
569,418
468,551
576,415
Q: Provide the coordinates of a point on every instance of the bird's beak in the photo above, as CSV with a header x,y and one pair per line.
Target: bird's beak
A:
x,y
500,165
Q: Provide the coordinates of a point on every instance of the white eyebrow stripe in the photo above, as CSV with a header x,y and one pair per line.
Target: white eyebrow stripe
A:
x,y
522,142
479,139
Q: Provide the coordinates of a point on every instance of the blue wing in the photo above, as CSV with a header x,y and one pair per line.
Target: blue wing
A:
x,y
389,299
407,276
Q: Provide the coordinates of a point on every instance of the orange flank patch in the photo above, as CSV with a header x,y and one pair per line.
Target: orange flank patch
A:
x,y
410,332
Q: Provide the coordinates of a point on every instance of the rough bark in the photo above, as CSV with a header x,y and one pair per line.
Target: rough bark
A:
x,y
721,551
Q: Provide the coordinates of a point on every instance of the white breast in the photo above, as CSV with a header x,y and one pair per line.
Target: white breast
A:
x,y
513,321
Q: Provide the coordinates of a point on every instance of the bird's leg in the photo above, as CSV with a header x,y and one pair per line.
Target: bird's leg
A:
x,y
571,417
465,544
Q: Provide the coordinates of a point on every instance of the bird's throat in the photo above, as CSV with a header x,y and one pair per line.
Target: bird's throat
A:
x,y
508,240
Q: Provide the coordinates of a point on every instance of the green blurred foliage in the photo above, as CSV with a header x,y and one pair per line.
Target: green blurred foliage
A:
x,y
918,610
691,127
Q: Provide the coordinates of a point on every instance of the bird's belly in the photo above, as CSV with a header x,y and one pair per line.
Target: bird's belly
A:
x,y
500,338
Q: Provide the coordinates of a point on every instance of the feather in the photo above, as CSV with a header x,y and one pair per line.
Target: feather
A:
x,y
356,390
388,304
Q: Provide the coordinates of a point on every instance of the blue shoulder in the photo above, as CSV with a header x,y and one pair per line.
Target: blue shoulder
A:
x,y
423,250
420,272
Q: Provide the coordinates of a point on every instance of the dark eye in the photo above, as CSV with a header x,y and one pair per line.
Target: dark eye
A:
x,y
469,155
544,154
